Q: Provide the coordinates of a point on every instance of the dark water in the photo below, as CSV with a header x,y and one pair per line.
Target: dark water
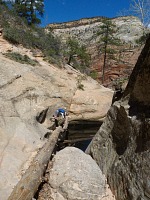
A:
x,y
81,133
83,144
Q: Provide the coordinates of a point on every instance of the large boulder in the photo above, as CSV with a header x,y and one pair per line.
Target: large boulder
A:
x,y
75,175
121,147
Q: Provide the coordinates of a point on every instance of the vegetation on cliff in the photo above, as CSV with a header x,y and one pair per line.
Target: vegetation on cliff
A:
x,y
77,54
75,48
108,42
17,31
30,10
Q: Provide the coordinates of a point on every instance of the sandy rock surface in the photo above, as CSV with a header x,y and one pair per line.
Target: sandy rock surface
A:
x,y
27,91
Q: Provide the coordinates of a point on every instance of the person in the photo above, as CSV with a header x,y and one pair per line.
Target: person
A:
x,y
59,115
60,112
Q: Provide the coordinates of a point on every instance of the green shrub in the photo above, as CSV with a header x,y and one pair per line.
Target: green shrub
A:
x,y
80,86
24,59
94,75
17,31
143,38
77,54
119,82
37,38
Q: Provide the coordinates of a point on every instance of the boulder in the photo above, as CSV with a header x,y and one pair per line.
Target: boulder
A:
x,y
75,175
121,147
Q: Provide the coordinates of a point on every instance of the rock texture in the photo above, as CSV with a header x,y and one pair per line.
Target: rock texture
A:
x,y
138,88
129,29
122,145
75,175
28,98
30,181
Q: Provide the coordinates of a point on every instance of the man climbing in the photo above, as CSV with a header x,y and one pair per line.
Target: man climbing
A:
x,y
59,116
60,112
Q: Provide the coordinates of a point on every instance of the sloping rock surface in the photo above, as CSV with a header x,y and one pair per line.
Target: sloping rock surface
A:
x,y
75,175
122,145
28,94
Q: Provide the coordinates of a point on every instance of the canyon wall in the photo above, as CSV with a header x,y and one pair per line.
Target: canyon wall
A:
x,y
121,147
129,29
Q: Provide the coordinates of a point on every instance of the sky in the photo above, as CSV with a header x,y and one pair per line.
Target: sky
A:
x,y
57,11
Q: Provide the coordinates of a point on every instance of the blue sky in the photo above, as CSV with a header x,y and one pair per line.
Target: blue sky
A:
x,y
69,10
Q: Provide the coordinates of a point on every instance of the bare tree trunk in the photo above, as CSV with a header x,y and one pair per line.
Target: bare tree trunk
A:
x,y
70,58
32,12
141,8
105,57
103,68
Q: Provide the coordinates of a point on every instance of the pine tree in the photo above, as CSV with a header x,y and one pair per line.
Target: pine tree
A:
x,y
75,52
30,9
107,41
20,8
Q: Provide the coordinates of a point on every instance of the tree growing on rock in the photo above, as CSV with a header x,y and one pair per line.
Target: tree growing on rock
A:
x,y
30,9
107,43
77,54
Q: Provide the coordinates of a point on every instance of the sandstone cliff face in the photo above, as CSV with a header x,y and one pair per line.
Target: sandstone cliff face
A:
x,y
29,95
129,29
122,145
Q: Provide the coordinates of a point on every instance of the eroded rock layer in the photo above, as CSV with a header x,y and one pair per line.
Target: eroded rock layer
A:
x,y
129,30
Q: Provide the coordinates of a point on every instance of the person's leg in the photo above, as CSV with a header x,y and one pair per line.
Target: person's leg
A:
x,y
62,114
56,122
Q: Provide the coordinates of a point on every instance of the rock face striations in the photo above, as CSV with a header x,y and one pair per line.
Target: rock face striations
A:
x,y
129,29
122,145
